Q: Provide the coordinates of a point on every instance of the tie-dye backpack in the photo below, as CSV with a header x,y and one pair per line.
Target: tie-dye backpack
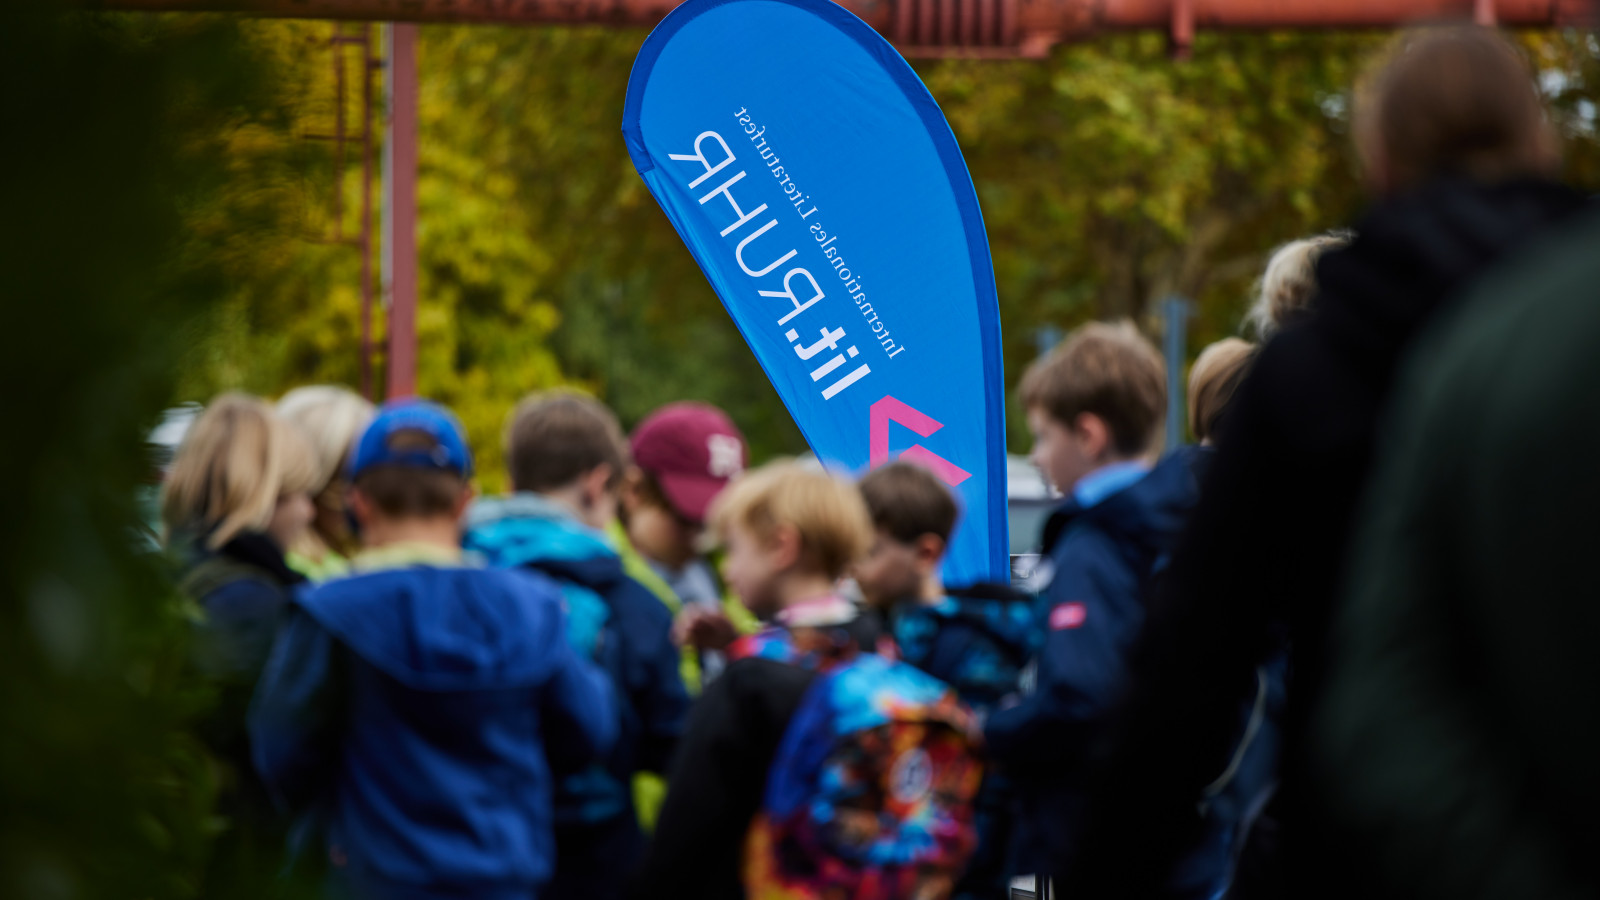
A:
x,y
870,794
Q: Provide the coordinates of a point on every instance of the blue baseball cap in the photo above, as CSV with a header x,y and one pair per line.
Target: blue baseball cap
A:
x,y
378,447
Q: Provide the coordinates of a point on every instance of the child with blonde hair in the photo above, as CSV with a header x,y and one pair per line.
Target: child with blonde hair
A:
x,y
236,497
1289,283
238,494
1213,378
330,418
782,777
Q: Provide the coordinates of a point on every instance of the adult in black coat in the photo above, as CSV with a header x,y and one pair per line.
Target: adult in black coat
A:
x,y
1461,720
1457,148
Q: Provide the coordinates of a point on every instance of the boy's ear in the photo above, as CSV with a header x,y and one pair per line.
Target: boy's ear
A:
x,y
597,483
360,506
786,546
464,501
1093,435
929,549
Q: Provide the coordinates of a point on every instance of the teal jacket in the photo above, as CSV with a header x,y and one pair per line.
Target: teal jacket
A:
x,y
611,619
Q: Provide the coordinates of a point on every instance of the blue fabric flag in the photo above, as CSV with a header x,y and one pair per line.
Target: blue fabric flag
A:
x,y
820,189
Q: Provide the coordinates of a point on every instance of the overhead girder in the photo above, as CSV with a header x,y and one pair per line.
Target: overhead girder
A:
x,y
946,27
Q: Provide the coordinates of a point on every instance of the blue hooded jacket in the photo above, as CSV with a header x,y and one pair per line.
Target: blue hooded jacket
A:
x,y
418,707
1101,547
620,624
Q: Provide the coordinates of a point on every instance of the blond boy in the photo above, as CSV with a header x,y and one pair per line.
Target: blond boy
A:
x,y
791,533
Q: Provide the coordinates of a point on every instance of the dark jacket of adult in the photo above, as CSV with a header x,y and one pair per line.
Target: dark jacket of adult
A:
x,y
243,589
1462,717
1265,549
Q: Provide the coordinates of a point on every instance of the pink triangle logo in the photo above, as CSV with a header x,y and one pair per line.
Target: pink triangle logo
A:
x,y
891,410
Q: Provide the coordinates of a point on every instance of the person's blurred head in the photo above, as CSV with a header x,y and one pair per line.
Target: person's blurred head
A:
x,y
1452,100
913,514
1096,399
410,474
240,469
789,530
684,455
568,446
1216,374
1289,283
330,418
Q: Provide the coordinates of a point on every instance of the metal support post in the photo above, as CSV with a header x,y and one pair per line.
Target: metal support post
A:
x,y
400,211
1175,312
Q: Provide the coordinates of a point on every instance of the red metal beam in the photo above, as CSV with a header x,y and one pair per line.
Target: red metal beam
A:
x,y
976,27
402,189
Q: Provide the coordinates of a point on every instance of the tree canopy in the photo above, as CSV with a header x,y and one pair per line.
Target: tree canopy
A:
x,y
1109,177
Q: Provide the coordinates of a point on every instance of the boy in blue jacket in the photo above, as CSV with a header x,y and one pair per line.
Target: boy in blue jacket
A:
x,y
566,454
1095,407
976,639
416,703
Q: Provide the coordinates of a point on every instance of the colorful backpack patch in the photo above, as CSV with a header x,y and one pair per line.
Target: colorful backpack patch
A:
x,y
978,646
815,648
870,795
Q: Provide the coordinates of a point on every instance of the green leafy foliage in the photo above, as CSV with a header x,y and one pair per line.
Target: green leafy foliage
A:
x,y
1109,176
104,792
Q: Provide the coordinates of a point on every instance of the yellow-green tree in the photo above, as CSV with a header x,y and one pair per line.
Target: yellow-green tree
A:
x,y
1109,177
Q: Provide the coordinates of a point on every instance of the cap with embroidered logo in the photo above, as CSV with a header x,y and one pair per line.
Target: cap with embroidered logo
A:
x,y
692,450
385,442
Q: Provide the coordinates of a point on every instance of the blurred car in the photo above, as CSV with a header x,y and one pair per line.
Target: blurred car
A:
x,y
1029,501
161,445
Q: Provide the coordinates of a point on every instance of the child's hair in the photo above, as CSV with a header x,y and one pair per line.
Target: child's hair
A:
x,y
907,501
828,512
1289,284
1453,100
402,491
236,460
1110,371
331,418
1216,374
553,438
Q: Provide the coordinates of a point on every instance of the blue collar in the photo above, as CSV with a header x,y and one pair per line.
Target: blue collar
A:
x,y
1096,486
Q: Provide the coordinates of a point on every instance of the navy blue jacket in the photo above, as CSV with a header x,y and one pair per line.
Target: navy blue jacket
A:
x,y
418,707
1099,558
620,624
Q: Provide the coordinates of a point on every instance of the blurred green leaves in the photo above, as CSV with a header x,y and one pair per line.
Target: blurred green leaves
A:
x,y
1109,176
111,147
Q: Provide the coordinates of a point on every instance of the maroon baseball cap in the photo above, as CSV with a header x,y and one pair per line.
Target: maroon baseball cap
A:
x,y
692,450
